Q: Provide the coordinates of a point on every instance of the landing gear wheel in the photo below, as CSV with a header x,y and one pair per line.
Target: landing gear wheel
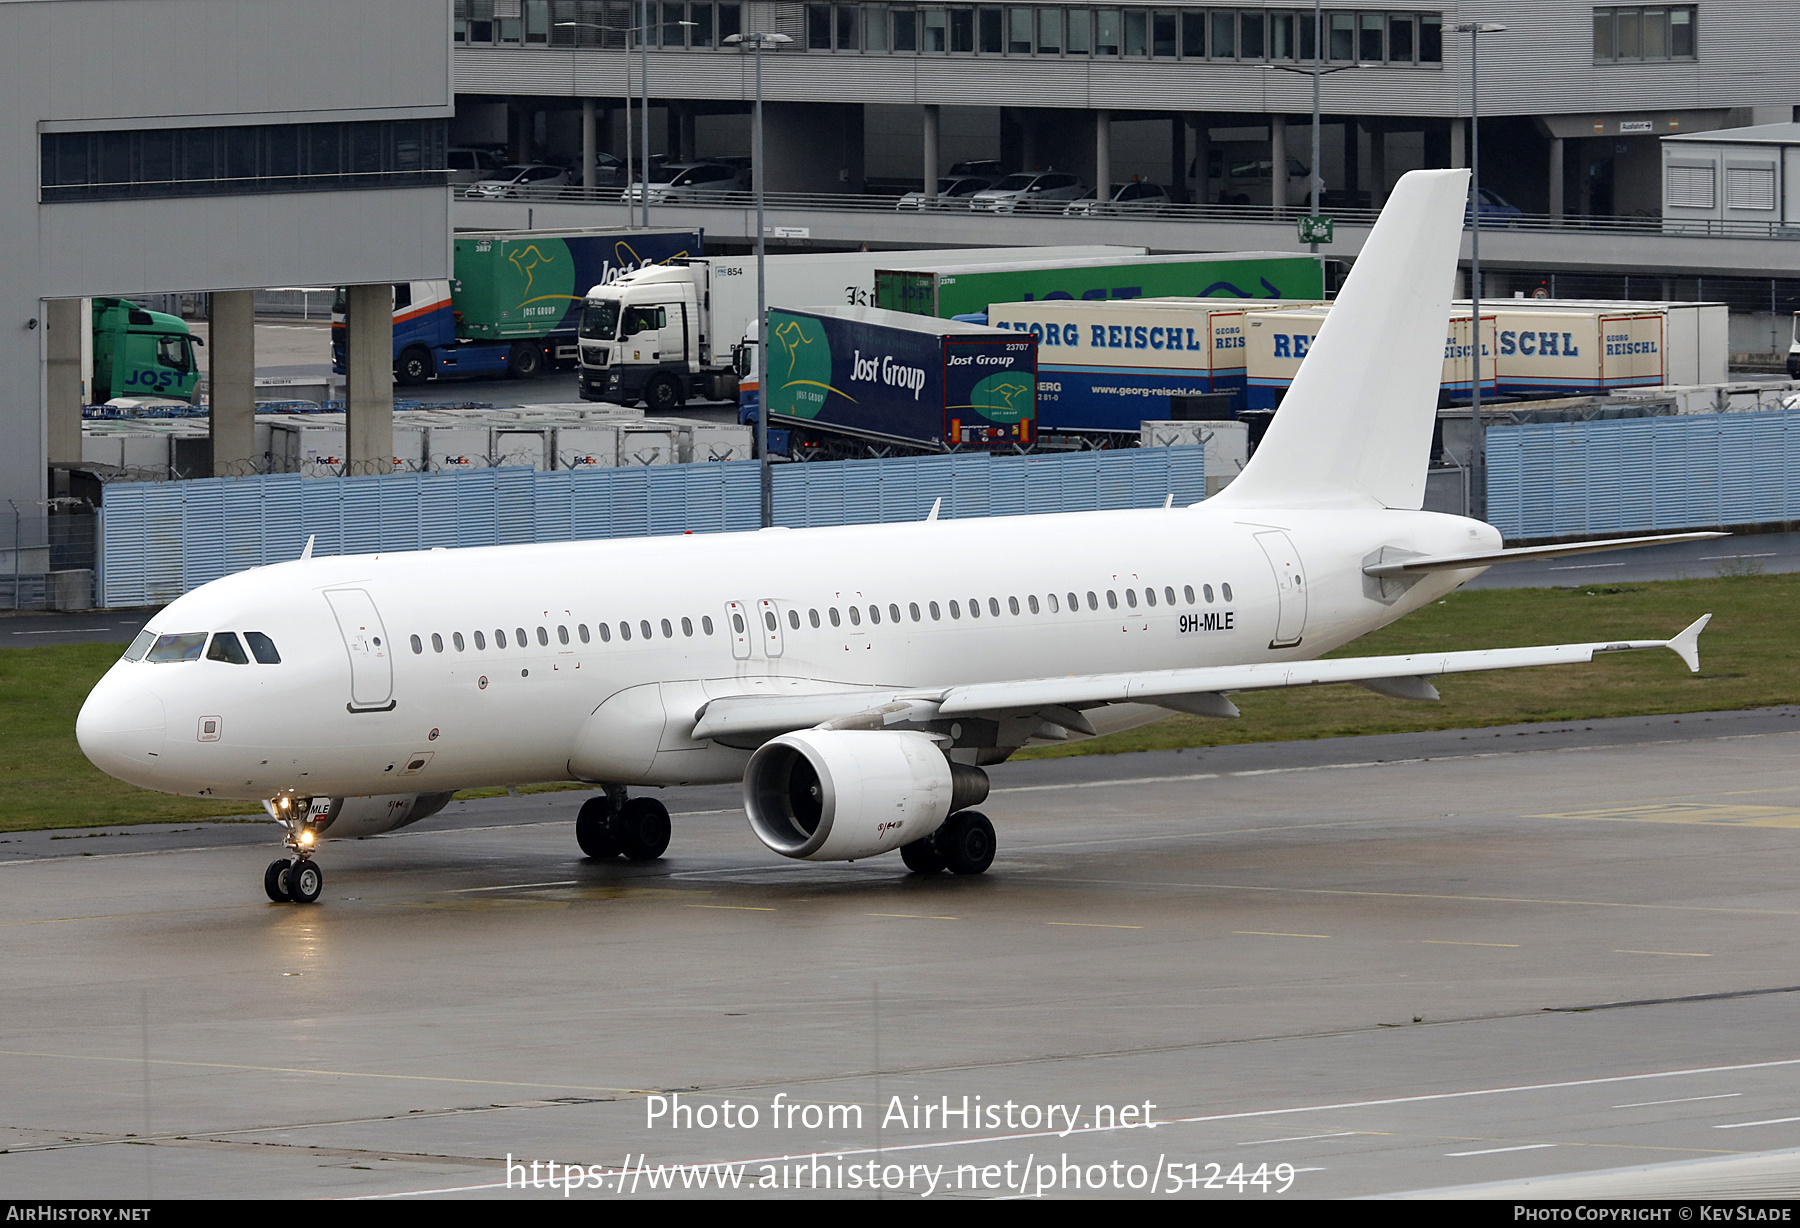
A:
x,y
662,395
966,842
922,856
275,880
414,366
305,881
642,829
525,360
593,829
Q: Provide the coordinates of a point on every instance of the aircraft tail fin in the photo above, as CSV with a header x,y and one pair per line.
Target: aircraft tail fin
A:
x,y
1355,427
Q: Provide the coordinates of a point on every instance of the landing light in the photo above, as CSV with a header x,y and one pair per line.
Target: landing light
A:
x,y
306,838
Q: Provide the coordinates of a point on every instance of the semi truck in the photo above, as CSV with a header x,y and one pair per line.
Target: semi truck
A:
x,y
140,353
932,290
1694,347
1277,341
1106,367
514,306
858,376
662,335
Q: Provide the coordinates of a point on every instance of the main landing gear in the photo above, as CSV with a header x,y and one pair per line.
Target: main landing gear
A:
x,y
297,879
963,845
614,825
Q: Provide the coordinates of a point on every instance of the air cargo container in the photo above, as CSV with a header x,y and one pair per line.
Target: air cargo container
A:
x,y
924,289
1106,367
514,305
845,377
664,335
1279,340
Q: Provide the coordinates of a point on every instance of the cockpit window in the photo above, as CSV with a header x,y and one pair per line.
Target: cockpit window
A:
x,y
262,648
226,648
140,646
184,646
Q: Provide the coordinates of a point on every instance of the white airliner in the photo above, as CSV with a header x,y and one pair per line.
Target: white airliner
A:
x,y
858,679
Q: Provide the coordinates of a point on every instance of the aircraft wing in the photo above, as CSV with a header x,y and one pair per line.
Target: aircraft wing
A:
x,y
1201,690
1420,563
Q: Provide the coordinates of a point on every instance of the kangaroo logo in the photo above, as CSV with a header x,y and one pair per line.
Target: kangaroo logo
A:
x,y
527,260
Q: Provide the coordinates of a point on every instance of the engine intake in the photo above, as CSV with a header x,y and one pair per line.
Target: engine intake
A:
x,y
842,795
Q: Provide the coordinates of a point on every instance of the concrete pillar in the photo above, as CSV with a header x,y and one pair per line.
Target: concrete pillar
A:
x,y
1556,178
1459,147
1352,163
1028,142
369,379
590,144
1202,160
231,383
1278,161
62,380
932,115
1378,184
1102,155
689,141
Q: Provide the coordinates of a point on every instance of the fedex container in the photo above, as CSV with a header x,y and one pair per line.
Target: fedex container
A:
x,y
456,449
1280,340
1106,367
587,446
889,378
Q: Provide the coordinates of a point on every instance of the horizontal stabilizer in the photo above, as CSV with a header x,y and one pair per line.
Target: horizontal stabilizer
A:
x,y
1420,564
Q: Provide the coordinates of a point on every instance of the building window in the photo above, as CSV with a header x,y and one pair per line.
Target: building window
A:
x,y
1645,33
1692,186
242,161
1750,187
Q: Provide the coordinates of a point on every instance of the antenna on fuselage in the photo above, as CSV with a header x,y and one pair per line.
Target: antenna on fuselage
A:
x,y
935,504
307,553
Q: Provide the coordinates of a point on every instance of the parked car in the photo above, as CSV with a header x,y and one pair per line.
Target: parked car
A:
x,y
678,182
1496,210
952,193
508,180
1032,192
1134,198
1249,182
468,165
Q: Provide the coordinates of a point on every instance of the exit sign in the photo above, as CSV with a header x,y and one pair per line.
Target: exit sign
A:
x,y
1314,229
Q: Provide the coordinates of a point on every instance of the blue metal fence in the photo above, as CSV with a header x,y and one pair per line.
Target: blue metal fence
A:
x,y
161,539
1568,479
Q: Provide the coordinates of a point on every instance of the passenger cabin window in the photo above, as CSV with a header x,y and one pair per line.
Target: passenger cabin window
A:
x,y
499,638
581,630
812,616
226,648
706,624
605,633
1033,602
668,630
519,634
417,646
875,614
855,617
687,627
1093,601
1112,600
1207,589
974,607
562,635
935,616
834,616
624,630
644,626
1225,589
793,619
543,638
437,642
955,610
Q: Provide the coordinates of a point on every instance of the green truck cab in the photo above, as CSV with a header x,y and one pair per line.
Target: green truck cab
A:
x,y
140,353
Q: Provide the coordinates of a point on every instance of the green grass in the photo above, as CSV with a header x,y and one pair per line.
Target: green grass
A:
x,y
1747,655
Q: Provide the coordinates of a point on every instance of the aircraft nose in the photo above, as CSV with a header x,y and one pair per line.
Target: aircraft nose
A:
x,y
120,729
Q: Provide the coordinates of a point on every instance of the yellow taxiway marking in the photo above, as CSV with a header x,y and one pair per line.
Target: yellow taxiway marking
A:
x,y
1095,925
1445,942
1694,954
733,907
910,916
1711,813
1278,934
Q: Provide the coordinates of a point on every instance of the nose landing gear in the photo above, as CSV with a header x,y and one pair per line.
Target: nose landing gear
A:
x,y
297,879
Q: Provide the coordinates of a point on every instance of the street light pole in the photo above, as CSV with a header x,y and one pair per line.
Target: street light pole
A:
x,y
644,84
1478,448
765,473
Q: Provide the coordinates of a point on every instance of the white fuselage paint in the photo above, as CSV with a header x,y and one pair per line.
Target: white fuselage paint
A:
x,y
621,711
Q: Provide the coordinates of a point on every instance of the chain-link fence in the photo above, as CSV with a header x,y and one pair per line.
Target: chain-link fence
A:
x,y
48,560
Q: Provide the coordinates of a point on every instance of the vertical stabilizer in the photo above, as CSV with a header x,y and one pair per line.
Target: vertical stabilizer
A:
x,y
1355,427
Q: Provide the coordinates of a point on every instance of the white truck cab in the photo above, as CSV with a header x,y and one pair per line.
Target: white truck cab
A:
x,y
647,336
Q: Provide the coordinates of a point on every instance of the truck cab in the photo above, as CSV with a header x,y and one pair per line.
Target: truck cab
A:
x,y
141,353
645,337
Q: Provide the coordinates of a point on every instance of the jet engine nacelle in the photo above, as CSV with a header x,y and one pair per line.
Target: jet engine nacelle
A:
x,y
342,818
845,794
